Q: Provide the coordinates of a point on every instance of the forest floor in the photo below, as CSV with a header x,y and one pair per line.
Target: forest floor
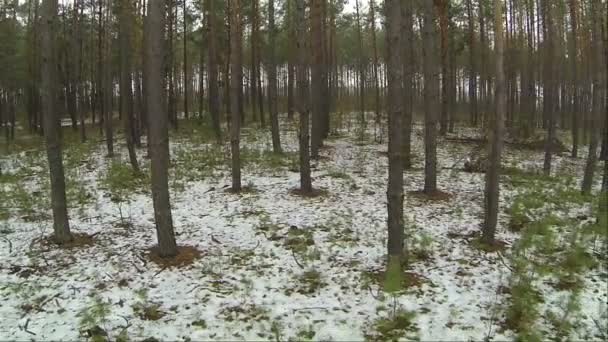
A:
x,y
268,264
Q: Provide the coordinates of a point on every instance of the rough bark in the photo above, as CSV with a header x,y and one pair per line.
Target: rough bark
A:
x,y
126,79
492,186
61,225
303,96
316,77
431,92
395,104
158,130
235,92
212,71
272,81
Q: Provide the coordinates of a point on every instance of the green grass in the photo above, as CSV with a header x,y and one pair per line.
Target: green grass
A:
x,y
121,181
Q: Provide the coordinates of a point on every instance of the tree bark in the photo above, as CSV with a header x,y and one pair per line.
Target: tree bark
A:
x,y
235,92
212,71
316,77
61,225
159,135
492,185
272,81
396,127
126,80
431,87
303,96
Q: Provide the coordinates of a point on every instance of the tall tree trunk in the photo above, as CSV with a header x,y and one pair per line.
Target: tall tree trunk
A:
x,y
158,130
254,61
361,69
290,60
431,87
108,84
316,77
272,81
235,92
598,91
408,80
492,186
303,96
472,67
126,80
61,225
442,6
573,57
186,79
212,70
372,23
548,83
395,104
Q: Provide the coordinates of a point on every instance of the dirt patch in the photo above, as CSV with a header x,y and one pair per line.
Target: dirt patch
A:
x,y
436,195
496,246
78,241
309,194
244,190
186,255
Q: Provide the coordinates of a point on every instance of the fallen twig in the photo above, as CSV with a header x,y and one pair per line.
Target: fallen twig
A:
x,y
296,259
160,271
27,322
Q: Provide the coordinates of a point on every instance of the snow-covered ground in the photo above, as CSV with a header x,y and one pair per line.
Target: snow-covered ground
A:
x,y
273,265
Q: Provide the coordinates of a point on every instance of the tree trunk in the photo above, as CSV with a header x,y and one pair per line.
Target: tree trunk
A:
x,y
186,79
235,92
548,84
598,91
395,104
431,88
408,80
61,225
472,67
316,79
573,57
272,81
372,23
158,130
303,96
212,70
126,80
442,6
291,61
361,70
492,186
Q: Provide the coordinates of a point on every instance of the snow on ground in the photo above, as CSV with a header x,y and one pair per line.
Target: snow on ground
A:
x,y
251,282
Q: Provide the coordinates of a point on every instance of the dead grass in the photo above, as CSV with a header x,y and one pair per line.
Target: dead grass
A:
x,y
186,255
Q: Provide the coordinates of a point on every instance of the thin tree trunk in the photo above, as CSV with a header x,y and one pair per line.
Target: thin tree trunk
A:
x,y
316,79
212,69
235,92
126,81
272,81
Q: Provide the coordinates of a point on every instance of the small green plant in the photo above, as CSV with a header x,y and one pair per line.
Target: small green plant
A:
x,y
122,181
93,318
394,327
